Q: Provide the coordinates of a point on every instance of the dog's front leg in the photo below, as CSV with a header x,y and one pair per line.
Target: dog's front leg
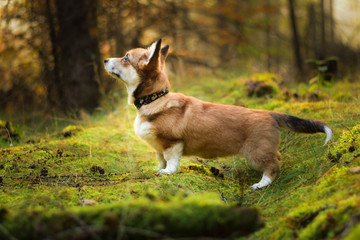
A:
x,y
162,161
172,156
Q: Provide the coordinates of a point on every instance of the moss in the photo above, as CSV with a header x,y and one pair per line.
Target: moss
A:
x,y
313,196
190,217
197,168
344,96
265,84
349,142
326,209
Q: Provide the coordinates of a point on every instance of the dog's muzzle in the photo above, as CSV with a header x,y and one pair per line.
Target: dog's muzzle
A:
x,y
106,61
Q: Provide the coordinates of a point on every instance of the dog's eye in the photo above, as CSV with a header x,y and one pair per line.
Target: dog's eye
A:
x,y
126,58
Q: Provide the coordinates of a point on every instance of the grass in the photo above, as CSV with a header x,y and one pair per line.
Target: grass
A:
x,y
103,164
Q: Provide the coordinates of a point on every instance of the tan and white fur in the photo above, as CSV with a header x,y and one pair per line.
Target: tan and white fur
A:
x,y
176,125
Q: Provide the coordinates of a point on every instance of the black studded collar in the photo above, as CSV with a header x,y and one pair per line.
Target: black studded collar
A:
x,y
150,98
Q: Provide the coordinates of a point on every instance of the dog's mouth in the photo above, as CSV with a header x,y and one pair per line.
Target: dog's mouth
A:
x,y
110,69
116,74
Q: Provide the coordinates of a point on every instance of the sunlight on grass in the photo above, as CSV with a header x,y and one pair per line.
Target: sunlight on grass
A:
x,y
104,161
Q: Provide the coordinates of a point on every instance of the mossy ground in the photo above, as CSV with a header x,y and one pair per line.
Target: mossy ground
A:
x,y
316,195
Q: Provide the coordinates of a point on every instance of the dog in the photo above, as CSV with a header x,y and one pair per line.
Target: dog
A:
x,y
176,125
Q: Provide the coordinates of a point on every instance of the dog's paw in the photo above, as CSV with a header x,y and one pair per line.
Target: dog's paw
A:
x,y
265,181
256,186
159,168
165,171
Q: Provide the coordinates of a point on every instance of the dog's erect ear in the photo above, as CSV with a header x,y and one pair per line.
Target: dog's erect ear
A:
x,y
154,52
164,51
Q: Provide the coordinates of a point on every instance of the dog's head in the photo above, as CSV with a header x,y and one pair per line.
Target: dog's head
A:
x,y
141,69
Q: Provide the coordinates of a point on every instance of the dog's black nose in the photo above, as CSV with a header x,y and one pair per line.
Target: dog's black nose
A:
x,y
106,60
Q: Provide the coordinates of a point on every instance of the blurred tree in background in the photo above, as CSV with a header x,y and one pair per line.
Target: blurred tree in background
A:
x,y
51,50
74,43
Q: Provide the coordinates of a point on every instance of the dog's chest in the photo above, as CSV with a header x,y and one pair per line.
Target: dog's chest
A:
x,y
145,131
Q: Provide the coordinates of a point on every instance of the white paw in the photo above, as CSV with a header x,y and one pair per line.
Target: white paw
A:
x,y
256,186
166,171
159,168
265,181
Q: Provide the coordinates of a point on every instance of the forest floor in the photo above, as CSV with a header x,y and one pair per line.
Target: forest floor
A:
x,y
97,169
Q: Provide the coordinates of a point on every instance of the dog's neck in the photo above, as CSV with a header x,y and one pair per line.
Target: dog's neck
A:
x,y
155,84
139,102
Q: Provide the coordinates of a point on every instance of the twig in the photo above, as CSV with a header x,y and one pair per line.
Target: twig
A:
x,y
69,176
17,156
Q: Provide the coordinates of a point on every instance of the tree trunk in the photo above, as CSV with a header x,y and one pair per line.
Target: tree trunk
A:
x,y
313,30
322,31
295,38
78,54
332,23
52,79
267,36
224,54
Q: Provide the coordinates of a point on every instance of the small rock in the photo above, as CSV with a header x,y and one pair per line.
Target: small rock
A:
x,y
355,170
88,202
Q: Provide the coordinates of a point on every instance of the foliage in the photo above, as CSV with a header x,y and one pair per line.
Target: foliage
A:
x,y
146,219
247,34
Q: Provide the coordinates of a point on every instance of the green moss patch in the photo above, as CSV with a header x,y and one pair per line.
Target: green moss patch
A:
x,y
143,219
100,179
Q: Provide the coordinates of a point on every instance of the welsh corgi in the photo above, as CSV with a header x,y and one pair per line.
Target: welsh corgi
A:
x,y
176,125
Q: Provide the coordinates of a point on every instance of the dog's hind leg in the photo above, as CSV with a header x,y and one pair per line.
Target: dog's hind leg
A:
x,y
172,156
162,161
264,157
270,172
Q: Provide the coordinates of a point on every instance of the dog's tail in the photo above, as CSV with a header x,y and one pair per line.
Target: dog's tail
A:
x,y
302,125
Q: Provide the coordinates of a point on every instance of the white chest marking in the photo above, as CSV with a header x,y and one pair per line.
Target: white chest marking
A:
x,y
144,130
